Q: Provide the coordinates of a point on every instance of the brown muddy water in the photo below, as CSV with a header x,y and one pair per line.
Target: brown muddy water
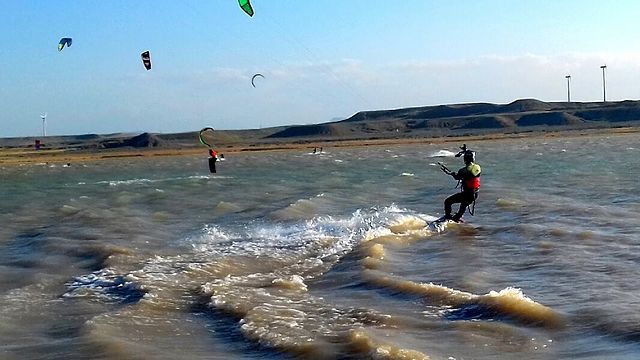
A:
x,y
325,256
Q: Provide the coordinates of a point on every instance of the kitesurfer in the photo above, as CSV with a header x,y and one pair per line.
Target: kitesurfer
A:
x,y
213,157
469,178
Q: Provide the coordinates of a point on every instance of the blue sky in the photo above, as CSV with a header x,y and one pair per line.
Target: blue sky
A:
x,y
321,59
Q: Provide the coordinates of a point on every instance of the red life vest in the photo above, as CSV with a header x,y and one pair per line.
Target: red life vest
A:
x,y
471,180
472,183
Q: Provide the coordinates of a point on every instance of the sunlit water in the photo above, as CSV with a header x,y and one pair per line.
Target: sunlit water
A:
x,y
295,255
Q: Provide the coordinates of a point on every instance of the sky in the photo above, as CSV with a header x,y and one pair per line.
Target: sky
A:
x,y
322,60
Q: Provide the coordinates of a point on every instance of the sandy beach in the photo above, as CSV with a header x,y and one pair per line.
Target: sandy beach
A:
x,y
17,156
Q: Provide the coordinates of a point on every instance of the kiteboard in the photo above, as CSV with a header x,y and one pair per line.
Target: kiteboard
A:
x,y
441,224
444,219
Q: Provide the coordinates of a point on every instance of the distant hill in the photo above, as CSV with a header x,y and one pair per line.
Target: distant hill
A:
x,y
522,115
330,130
139,141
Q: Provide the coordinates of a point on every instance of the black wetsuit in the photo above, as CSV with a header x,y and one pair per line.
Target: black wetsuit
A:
x,y
468,194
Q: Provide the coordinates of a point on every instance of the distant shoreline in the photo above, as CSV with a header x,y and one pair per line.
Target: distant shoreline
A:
x,y
18,156
459,123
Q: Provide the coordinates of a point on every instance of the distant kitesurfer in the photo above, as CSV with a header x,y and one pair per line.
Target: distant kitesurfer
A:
x,y
213,157
469,178
205,136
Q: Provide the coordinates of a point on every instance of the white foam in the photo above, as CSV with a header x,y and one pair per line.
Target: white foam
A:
x,y
103,285
442,153
148,181
292,282
210,235
318,237
309,247
125,182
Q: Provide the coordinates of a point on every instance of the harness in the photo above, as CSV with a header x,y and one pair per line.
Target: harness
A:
x,y
472,207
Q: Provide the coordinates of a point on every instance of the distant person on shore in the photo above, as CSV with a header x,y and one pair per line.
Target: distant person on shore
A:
x,y
469,178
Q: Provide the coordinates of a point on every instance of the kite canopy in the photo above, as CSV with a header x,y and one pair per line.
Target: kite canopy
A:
x,y
254,77
63,42
146,60
205,135
246,6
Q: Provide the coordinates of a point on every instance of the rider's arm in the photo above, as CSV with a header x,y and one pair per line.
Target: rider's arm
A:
x,y
460,174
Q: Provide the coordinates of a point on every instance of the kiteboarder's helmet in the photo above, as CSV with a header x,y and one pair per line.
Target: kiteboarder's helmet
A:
x,y
469,156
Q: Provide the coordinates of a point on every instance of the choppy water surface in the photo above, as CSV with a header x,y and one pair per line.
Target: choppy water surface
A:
x,y
295,255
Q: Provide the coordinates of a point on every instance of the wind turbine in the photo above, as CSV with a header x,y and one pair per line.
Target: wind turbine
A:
x,y
604,88
44,124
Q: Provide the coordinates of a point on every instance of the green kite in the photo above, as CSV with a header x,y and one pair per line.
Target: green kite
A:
x,y
204,134
246,6
63,42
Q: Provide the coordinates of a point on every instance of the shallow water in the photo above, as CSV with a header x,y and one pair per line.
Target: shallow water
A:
x,y
295,255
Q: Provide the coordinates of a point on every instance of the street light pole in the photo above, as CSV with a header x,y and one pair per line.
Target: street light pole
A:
x,y
604,87
568,77
44,124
